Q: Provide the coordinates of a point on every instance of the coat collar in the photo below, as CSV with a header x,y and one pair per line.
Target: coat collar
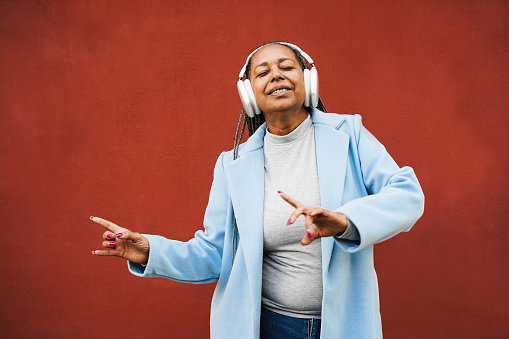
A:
x,y
255,142
246,184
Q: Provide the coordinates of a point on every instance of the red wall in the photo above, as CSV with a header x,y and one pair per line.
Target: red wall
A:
x,y
119,109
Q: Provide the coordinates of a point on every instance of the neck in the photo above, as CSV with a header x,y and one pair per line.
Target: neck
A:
x,y
284,122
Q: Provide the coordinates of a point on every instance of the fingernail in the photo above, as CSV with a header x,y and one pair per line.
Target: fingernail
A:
x,y
91,218
112,243
309,234
109,236
307,215
93,252
302,243
119,235
289,222
279,192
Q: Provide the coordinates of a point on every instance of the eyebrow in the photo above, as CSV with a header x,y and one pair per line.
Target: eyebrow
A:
x,y
265,63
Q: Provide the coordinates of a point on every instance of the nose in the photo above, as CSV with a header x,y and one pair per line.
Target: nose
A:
x,y
276,74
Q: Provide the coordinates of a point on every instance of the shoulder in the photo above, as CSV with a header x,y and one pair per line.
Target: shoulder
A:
x,y
347,123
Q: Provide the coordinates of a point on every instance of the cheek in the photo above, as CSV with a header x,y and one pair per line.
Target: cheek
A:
x,y
300,89
257,88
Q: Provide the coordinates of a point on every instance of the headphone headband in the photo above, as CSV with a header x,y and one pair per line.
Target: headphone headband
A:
x,y
304,54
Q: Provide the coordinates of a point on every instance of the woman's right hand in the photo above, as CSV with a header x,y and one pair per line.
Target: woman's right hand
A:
x,y
121,242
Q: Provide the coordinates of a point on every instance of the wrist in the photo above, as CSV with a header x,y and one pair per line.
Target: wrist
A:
x,y
342,223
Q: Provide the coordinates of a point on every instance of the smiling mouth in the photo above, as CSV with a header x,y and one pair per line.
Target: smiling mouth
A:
x,y
279,91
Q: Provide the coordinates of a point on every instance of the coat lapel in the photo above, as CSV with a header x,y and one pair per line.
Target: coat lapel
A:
x,y
246,183
331,159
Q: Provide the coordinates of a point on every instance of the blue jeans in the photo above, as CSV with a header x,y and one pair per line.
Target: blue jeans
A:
x,y
277,326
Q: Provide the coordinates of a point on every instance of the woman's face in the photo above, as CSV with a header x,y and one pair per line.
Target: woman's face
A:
x,y
277,79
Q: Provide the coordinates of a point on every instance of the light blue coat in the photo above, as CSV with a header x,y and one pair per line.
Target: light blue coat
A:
x,y
357,178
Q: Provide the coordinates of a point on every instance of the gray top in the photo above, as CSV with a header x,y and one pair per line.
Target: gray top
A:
x,y
292,273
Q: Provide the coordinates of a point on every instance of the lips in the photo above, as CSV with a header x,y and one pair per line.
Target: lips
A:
x,y
279,90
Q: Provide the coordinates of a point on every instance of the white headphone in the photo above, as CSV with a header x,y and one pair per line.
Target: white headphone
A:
x,y
247,95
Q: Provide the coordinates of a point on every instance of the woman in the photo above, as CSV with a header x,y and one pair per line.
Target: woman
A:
x,y
291,221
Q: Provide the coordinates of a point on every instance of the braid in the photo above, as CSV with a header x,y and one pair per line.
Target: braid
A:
x,y
238,138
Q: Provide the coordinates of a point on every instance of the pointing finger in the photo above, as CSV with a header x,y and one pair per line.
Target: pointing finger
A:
x,y
106,224
289,199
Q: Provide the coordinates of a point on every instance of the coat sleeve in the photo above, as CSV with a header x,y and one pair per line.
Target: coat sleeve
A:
x,y
395,200
199,259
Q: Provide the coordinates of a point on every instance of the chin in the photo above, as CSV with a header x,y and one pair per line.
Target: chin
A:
x,y
281,106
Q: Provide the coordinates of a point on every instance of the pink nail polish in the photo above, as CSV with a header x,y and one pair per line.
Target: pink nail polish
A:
x,y
119,235
91,218
112,243
307,215
302,243
279,192
93,252
289,222
109,236
309,234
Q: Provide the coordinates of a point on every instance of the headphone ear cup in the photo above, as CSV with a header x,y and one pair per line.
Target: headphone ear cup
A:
x,y
307,82
313,86
244,98
252,97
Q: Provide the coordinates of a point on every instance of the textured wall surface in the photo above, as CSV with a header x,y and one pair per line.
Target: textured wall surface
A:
x,y
119,109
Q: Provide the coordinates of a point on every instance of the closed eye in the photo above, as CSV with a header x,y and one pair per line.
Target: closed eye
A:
x,y
261,74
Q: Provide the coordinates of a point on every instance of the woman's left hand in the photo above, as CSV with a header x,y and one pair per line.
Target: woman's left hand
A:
x,y
327,223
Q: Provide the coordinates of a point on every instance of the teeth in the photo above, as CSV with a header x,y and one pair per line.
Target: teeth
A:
x,y
280,90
